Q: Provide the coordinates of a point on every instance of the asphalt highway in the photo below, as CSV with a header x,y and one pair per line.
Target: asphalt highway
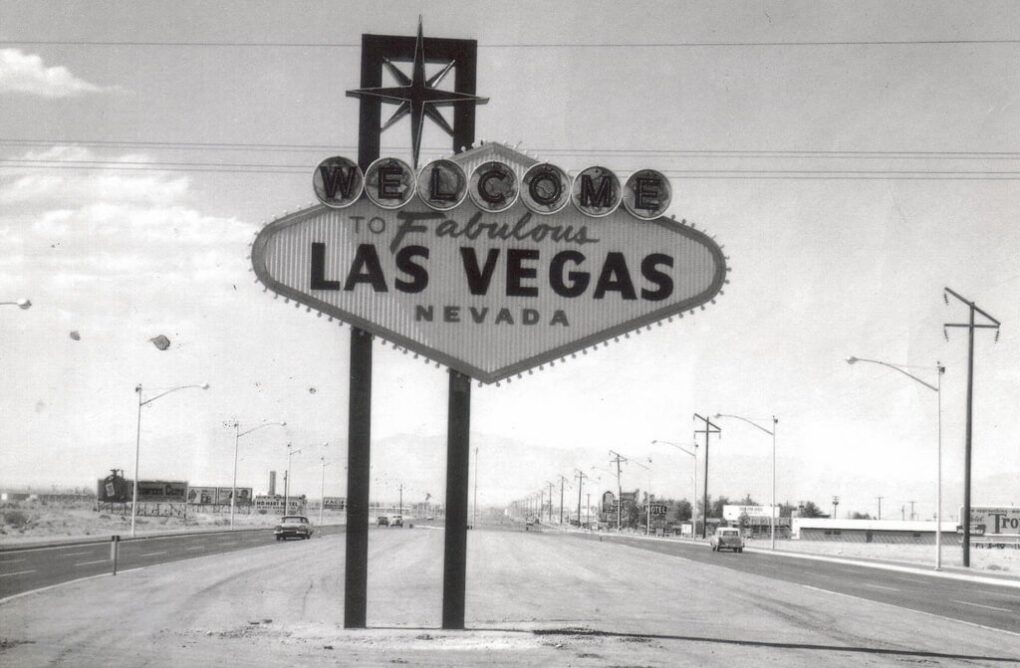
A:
x,y
993,606
33,567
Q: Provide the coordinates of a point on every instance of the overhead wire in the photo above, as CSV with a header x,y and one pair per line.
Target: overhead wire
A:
x,y
507,45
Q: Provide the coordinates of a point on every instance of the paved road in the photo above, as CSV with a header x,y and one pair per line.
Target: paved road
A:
x,y
988,605
533,599
25,569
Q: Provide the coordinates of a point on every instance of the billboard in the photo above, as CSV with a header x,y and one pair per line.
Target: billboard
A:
x,y
202,496
162,491
213,496
492,291
732,513
1001,520
335,502
113,489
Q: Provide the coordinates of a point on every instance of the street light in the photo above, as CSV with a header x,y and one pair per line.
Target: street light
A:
x,y
138,432
694,501
286,482
772,511
322,490
937,388
23,304
237,435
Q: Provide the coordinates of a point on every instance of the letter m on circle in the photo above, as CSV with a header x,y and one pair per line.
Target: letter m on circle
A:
x,y
592,197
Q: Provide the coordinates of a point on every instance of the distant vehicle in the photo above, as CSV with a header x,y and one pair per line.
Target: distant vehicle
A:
x,y
396,520
382,521
293,526
727,538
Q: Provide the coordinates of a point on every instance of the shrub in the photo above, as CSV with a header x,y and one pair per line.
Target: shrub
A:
x,y
16,519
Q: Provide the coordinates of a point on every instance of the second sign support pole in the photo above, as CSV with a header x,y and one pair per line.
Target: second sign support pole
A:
x,y
358,475
458,466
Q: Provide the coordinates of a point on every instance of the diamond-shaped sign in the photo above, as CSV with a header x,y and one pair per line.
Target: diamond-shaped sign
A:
x,y
488,294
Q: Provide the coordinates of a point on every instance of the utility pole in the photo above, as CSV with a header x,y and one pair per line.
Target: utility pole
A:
x,y
400,509
550,500
587,511
911,510
879,506
580,485
562,480
903,511
971,326
474,504
619,488
710,428
835,506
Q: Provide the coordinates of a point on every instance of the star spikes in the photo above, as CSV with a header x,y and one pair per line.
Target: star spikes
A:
x,y
416,96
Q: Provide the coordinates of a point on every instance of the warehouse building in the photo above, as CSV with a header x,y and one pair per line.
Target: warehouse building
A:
x,y
873,531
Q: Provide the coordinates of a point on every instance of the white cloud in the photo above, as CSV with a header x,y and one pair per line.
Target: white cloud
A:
x,y
26,73
125,239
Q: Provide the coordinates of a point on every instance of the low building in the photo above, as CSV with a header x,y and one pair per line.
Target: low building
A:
x,y
873,531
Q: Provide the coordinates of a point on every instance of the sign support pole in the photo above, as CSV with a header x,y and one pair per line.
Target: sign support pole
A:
x,y
458,456
358,476
375,49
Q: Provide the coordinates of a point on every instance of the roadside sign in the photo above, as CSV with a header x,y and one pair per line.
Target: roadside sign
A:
x,y
491,292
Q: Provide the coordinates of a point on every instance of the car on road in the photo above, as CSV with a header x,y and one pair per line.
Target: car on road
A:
x,y
396,520
382,521
293,526
727,538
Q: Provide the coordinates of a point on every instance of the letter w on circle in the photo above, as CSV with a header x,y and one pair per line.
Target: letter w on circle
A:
x,y
335,177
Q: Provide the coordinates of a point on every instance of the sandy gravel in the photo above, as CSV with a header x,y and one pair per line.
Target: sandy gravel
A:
x,y
533,600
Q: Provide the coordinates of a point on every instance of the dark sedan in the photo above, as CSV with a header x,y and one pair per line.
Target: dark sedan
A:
x,y
293,526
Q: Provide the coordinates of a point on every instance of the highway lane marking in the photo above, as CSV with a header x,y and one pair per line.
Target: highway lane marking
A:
x,y
152,554
89,563
8,575
77,554
10,561
920,612
978,605
881,587
195,547
232,542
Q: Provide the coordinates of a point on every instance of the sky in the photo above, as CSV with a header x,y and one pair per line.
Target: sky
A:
x,y
853,159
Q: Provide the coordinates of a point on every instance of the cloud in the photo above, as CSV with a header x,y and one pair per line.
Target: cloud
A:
x,y
26,73
116,239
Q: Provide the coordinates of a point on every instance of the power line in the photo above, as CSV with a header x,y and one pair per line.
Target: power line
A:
x,y
499,45
693,175
735,153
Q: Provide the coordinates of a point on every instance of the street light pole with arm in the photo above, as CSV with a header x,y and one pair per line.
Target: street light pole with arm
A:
x,y
937,388
694,499
237,437
286,487
138,438
772,510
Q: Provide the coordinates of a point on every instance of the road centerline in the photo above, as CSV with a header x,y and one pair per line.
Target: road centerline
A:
x,y
981,605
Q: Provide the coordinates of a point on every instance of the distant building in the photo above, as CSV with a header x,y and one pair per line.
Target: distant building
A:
x,y
873,531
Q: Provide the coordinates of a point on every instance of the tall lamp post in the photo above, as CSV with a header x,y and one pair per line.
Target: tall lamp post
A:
x,y
286,485
694,499
937,388
772,511
322,490
237,436
138,436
